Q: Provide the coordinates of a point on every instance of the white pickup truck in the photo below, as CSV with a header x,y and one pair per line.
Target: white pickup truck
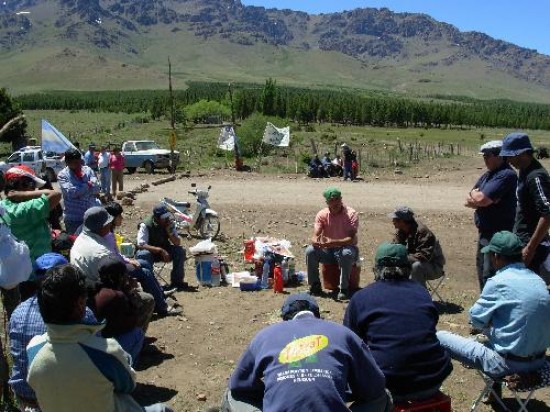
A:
x,y
33,157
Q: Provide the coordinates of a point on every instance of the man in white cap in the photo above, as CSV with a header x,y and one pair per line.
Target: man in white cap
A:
x,y
493,198
533,208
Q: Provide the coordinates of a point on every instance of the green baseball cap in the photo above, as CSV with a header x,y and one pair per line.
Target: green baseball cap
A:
x,y
504,243
332,193
391,255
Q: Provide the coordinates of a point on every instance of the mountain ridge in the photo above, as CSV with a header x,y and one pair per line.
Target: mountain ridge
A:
x,y
363,48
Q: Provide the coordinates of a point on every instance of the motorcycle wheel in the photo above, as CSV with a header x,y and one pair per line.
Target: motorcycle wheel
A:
x,y
209,227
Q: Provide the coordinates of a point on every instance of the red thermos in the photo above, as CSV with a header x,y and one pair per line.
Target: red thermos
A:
x,y
278,283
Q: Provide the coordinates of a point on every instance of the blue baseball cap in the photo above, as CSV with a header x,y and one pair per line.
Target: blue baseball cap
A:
x,y
160,211
48,261
515,144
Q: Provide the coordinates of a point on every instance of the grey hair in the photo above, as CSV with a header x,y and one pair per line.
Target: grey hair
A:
x,y
391,273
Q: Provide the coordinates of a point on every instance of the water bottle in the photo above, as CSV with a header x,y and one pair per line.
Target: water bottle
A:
x,y
284,270
278,284
265,274
215,272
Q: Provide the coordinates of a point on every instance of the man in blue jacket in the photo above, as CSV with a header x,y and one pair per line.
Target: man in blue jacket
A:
x,y
306,364
397,319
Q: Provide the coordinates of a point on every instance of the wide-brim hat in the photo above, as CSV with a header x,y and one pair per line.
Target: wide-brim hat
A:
x,y
515,144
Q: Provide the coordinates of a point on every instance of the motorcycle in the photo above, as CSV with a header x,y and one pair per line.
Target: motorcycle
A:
x,y
204,221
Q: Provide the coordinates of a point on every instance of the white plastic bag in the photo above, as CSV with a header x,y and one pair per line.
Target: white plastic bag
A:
x,y
204,247
15,259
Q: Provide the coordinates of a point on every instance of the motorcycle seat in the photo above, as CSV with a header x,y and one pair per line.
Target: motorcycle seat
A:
x,y
176,203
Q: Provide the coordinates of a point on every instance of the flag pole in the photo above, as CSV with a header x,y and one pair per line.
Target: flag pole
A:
x,y
238,160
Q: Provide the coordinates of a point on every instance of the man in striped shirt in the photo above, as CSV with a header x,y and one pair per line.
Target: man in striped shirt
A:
x,y
533,209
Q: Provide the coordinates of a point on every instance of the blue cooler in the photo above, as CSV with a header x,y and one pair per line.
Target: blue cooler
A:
x,y
203,269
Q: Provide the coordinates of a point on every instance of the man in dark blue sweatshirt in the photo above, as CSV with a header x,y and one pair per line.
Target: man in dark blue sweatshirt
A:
x,y
306,364
397,319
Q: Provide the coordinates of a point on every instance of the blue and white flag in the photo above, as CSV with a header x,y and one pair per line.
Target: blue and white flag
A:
x,y
275,136
53,140
227,139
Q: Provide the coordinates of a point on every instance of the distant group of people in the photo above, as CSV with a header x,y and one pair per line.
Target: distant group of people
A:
x,y
319,364
108,167
344,165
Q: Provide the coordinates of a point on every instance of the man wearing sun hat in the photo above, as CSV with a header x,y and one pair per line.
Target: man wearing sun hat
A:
x,y
533,195
493,198
513,311
306,363
28,207
334,240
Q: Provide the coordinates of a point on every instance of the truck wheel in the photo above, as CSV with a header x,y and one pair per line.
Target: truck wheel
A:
x,y
50,174
131,170
149,167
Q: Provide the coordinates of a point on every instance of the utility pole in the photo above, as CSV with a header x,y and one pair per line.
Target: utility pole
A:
x,y
173,135
238,161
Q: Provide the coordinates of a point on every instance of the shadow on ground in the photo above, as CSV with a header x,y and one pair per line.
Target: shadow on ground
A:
x,y
448,308
147,394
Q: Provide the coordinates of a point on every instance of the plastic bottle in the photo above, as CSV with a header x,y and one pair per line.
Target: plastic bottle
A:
x,y
265,274
278,283
284,270
215,272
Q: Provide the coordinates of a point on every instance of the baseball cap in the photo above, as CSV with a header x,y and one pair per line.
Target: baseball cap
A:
x,y
332,193
344,145
96,218
504,243
46,262
160,211
289,305
391,255
494,146
72,154
515,144
17,172
403,213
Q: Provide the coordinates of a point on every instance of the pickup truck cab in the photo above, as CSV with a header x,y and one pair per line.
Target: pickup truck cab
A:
x,y
33,157
146,154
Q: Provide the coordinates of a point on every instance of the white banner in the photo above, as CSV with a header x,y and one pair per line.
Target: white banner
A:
x,y
227,138
53,140
275,136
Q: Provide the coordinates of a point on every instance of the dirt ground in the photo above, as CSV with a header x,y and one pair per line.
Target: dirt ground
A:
x,y
200,349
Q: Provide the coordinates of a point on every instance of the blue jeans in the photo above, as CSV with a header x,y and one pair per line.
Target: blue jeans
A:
x,y
345,257
485,358
484,266
105,179
150,284
347,171
131,342
177,253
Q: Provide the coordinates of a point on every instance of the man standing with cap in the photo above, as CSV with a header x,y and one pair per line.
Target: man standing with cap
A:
x,y
423,248
533,195
158,241
306,363
80,190
493,198
513,311
334,240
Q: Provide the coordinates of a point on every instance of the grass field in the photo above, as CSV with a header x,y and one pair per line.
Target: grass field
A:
x,y
378,147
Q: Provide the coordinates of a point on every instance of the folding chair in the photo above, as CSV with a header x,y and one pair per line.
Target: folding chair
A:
x,y
517,384
434,285
158,268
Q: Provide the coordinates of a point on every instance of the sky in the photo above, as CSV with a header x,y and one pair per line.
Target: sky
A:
x,y
524,23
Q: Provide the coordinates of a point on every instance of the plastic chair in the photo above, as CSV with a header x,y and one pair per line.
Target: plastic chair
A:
x,y
518,384
437,403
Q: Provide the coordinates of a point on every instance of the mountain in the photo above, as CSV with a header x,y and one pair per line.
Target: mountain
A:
x,y
125,44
